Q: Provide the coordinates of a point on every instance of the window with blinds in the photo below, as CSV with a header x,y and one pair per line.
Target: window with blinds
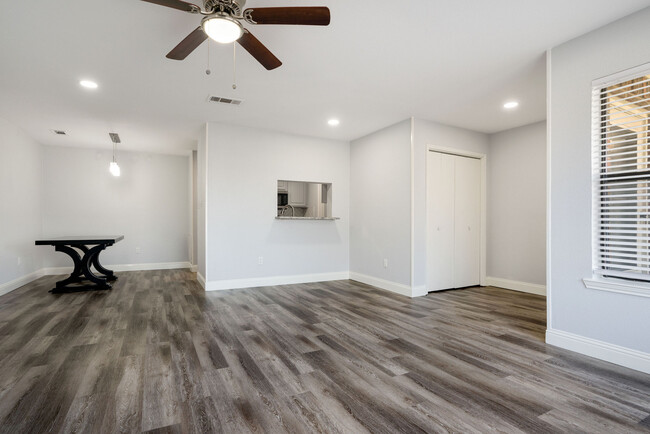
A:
x,y
621,178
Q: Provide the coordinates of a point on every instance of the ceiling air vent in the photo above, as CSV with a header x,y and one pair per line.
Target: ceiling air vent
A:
x,y
59,132
223,100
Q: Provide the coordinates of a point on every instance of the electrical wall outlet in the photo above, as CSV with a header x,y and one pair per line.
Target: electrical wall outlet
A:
x,y
385,263
138,251
260,260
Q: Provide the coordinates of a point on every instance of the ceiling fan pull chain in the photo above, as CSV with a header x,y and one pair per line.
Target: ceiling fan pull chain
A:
x,y
234,66
207,71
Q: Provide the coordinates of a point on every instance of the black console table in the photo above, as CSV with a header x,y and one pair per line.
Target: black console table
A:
x,y
90,247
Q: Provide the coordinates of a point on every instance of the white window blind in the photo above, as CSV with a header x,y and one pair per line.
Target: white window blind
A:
x,y
621,177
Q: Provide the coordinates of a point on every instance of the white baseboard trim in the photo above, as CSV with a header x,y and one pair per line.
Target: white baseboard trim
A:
x,y
201,279
53,271
531,288
627,357
419,291
398,288
222,285
153,266
194,268
7,287
149,267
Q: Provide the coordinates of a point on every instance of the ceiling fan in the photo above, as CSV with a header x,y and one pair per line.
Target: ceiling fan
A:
x,y
221,22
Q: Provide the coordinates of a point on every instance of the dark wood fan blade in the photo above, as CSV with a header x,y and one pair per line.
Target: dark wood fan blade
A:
x,y
187,45
259,51
307,16
176,4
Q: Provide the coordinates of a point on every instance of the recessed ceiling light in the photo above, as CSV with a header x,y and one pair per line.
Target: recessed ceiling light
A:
x,y
333,122
511,105
88,84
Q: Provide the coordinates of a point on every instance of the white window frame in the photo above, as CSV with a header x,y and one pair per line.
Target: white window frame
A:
x,y
598,280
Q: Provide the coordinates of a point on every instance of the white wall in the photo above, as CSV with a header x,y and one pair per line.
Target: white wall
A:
x,y
148,204
380,208
516,205
578,314
244,165
20,205
425,134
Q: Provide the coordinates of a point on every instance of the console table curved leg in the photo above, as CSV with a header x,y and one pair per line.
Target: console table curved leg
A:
x,y
110,276
87,261
88,272
75,276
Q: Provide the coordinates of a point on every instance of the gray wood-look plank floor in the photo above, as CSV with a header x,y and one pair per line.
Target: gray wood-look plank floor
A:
x,y
157,354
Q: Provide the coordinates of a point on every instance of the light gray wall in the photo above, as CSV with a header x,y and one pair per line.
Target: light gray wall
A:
x,y
20,203
148,203
194,205
201,191
244,167
605,316
380,204
516,205
426,133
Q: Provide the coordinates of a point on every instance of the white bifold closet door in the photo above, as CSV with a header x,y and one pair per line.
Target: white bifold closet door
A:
x,y
453,221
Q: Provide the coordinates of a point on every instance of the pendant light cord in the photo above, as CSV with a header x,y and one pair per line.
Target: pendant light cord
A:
x,y
234,65
208,71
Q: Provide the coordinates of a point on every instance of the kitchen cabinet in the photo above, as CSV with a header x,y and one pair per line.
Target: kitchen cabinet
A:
x,y
297,193
283,186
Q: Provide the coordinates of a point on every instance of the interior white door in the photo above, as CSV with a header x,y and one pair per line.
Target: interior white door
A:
x,y
467,219
440,221
453,221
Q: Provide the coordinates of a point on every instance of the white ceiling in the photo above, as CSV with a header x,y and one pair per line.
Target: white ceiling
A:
x,y
453,61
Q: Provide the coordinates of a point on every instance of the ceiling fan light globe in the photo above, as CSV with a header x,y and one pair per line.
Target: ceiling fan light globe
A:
x,y
114,169
222,29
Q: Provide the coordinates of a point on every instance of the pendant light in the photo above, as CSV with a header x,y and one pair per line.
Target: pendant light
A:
x,y
113,167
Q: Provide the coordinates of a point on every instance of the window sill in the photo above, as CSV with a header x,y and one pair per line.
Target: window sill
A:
x,y
639,289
